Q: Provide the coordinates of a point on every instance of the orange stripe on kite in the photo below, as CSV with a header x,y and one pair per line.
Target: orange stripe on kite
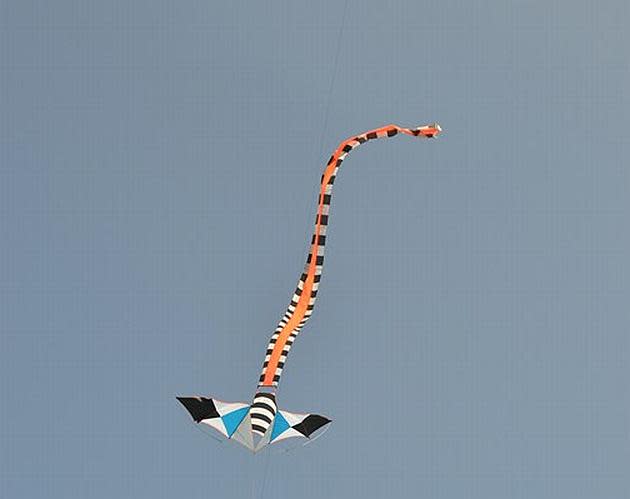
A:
x,y
300,310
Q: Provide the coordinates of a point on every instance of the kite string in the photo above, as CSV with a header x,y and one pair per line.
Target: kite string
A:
x,y
333,78
311,440
267,462
320,152
200,428
321,145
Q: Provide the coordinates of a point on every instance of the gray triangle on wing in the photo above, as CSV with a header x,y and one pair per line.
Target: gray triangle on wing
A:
x,y
243,433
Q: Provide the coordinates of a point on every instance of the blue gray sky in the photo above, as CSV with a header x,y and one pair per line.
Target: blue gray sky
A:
x,y
159,163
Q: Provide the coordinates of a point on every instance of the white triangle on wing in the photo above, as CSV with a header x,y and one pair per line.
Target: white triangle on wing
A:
x,y
288,433
293,418
224,408
217,424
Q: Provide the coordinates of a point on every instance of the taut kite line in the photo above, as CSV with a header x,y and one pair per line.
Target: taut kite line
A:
x,y
260,423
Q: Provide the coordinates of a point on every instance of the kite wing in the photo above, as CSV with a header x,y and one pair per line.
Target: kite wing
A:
x,y
231,419
290,424
238,421
285,424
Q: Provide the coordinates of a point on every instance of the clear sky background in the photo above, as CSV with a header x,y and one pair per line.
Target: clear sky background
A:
x,y
159,164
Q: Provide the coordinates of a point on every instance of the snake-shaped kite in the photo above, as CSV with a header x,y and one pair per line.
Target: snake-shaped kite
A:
x,y
261,420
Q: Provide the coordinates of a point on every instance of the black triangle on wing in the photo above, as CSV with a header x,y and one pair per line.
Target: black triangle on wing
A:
x,y
200,408
310,424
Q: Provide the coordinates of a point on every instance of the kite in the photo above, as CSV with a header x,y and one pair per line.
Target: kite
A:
x,y
261,423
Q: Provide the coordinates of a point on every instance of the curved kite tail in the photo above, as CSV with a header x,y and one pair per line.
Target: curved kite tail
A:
x,y
303,300
428,131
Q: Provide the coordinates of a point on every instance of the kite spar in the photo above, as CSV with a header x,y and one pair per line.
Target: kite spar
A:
x,y
260,423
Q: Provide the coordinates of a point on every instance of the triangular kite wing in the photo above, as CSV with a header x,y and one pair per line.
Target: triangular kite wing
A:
x,y
289,424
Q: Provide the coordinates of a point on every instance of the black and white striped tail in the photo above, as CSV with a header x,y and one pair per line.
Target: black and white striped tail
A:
x,y
263,412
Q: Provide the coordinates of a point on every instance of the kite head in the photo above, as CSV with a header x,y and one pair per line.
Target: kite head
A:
x,y
428,131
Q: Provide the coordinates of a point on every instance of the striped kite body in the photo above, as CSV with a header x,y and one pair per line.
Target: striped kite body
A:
x,y
303,300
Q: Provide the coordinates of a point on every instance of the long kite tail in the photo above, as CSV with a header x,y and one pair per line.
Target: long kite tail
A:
x,y
303,301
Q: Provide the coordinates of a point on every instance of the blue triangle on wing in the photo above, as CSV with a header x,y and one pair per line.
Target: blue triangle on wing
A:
x,y
232,419
279,426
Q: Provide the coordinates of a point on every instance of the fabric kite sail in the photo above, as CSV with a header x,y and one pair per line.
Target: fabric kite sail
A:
x,y
260,423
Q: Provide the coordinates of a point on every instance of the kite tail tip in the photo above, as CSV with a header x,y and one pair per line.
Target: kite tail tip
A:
x,y
428,131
